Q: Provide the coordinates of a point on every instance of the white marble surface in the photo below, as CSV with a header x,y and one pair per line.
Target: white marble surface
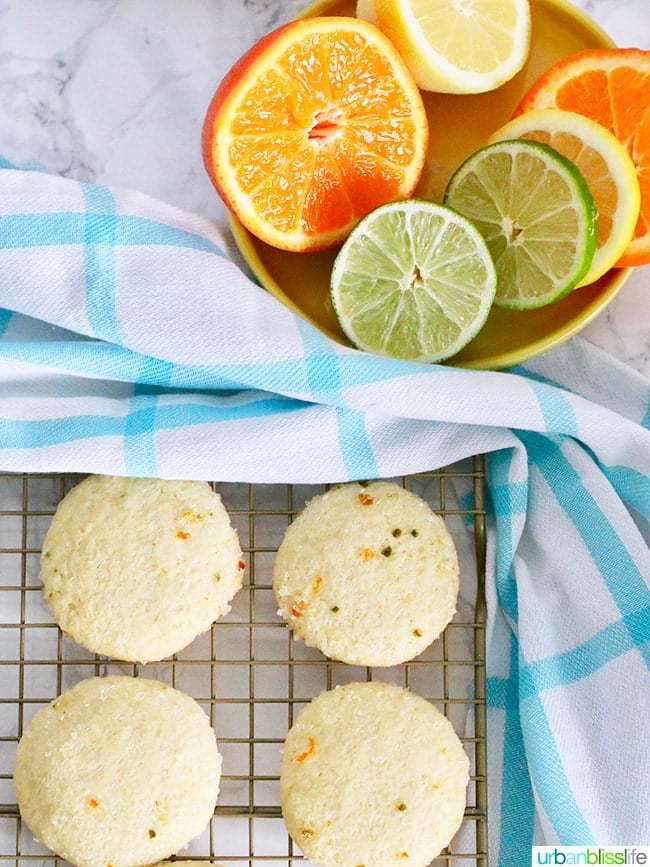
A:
x,y
114,91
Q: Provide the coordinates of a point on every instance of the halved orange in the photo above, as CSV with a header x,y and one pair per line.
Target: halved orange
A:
x,y
315,126
612,87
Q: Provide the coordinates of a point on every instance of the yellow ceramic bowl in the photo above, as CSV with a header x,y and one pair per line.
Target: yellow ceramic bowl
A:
x,y
459,125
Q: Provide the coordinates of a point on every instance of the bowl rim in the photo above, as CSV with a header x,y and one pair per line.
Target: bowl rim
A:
x,y
495,361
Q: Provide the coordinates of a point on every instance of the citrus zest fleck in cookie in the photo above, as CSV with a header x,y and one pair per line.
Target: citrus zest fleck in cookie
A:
x,y
118,770
136,568
368,574
372,774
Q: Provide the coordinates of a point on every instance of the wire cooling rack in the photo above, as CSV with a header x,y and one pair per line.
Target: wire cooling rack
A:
x,y
248,672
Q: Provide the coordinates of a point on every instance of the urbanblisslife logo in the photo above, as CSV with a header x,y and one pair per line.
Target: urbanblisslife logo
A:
x,y
564,856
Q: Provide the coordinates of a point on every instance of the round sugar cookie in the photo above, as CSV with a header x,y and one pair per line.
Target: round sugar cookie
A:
x,y
118,770
136,568
372,774
368,574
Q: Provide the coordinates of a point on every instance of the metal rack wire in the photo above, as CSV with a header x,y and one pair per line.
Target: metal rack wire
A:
x,y
248,672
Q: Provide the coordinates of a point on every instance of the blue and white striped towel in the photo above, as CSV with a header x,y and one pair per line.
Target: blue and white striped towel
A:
x,y
132,344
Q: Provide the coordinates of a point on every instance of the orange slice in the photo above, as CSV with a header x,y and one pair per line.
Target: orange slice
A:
x,y
604,164
315,126
612,87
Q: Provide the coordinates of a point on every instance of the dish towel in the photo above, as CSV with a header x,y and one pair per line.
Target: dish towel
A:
x,y
133,344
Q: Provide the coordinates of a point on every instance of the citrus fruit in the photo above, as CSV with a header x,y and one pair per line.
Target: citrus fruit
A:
x,y
535,211
604,164
366,10
413,280
464,46
612,87
316,125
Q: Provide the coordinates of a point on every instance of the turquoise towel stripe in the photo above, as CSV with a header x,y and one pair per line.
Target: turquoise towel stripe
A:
x,y
517,806
318,373
357,453
18,433
5,319
495,691
509,499
630,633
102,360
505,499
140,439
65,228
99,251
534,376
323,367
323,375
627,586
21,231
140,447
466,503
559,416
551,783
134,231
631,486
646,418
43,433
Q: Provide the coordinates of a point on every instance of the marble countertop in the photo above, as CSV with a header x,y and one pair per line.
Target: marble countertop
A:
x,y
115,91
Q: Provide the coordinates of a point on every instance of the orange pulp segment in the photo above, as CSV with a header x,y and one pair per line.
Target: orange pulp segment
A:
x,y
315,126
612,87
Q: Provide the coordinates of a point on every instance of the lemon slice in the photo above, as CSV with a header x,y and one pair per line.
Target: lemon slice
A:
x,y
604,164
455,46
534,209
413,280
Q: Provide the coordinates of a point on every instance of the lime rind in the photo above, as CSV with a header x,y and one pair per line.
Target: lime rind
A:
x,y
537,215
414,280
606,166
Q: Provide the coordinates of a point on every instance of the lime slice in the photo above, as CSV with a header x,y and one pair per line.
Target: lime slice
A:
x,y
534,209
413,280
605,165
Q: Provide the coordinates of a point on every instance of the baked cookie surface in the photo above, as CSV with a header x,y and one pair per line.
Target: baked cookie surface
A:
x,y
136,568
368,574
118,770
372,774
